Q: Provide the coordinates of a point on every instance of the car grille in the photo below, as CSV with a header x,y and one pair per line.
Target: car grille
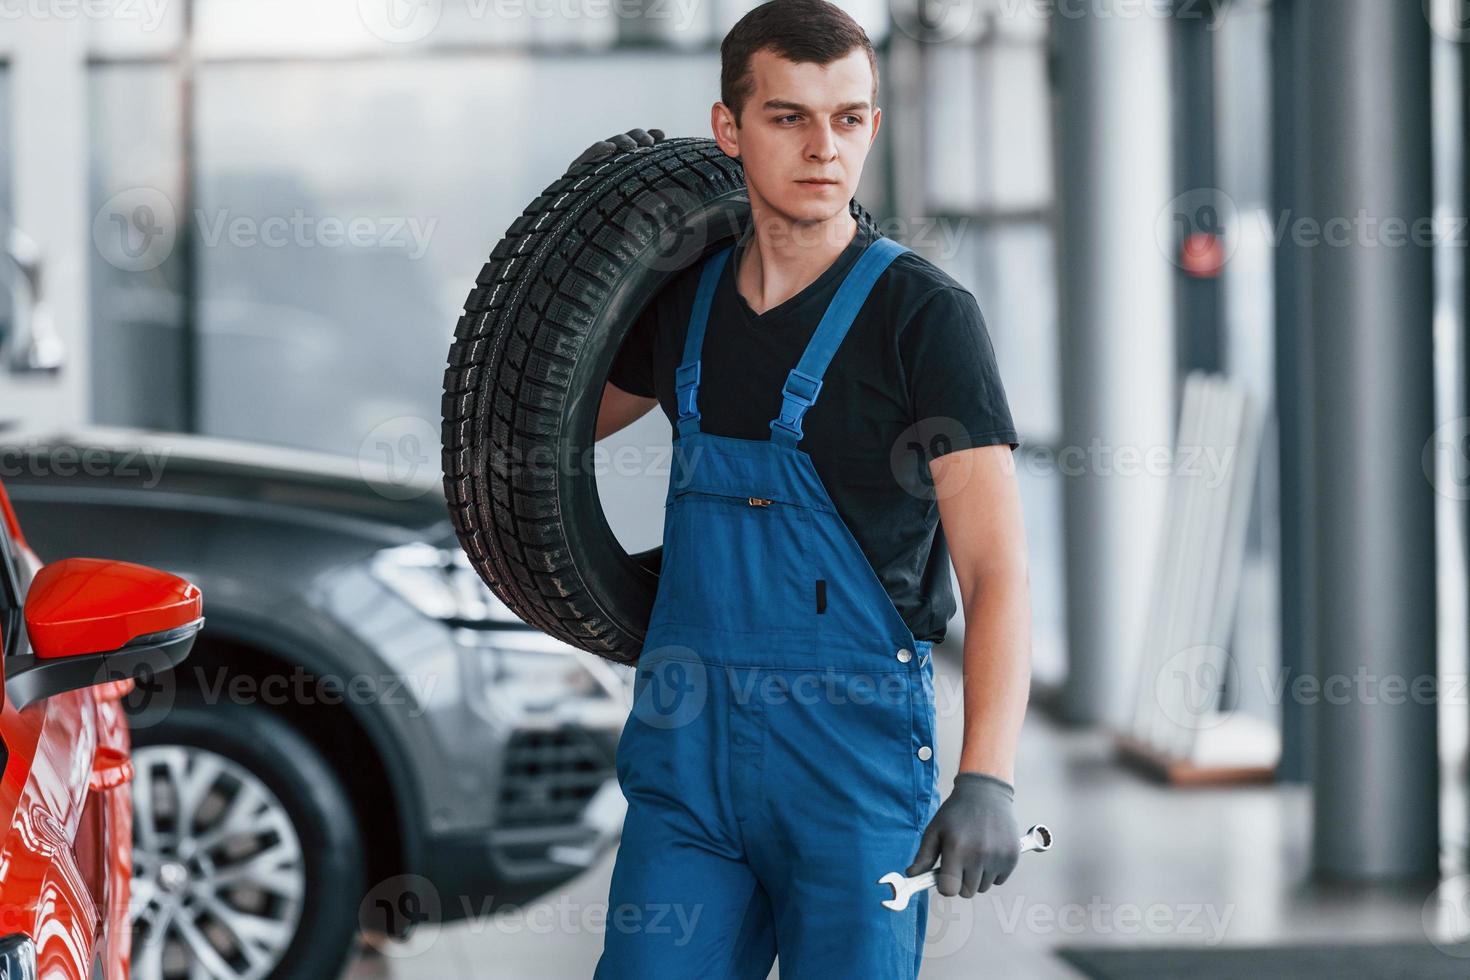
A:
x,y
549,776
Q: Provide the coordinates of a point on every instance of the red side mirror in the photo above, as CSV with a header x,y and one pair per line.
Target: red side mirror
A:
x,y
93,605
95,621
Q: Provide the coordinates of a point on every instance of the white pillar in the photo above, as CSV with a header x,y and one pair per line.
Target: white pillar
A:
x,y
48,139
1117,336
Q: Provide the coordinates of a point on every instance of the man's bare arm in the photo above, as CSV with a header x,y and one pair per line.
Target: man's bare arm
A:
x,y
620,409
980,511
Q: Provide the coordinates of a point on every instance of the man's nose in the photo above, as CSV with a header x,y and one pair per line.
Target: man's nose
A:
x,y
823,145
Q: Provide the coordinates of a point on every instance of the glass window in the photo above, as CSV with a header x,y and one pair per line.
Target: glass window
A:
x,y
345,208
137,290
1010,267
987,127
132,29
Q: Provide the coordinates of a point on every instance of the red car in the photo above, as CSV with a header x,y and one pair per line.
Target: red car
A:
x,y
77,635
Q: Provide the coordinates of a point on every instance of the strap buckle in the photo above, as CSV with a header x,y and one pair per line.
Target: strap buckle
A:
x,y
798,394
686,383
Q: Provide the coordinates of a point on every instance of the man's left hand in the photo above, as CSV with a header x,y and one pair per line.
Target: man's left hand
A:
x,y
974,836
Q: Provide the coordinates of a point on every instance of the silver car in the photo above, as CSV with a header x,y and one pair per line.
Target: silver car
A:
x,y
363,739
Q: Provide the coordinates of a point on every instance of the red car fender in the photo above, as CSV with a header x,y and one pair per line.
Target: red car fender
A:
x,y
42,797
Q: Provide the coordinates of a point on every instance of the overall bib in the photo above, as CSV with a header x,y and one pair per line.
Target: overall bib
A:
x,y
778,758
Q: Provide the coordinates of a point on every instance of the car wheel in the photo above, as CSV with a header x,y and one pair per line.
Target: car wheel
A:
x,y
247,859
526,373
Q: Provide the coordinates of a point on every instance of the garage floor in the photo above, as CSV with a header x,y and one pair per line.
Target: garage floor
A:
x,y
1134,863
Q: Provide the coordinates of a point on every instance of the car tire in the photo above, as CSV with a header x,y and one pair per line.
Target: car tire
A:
x,y
289,774
528,365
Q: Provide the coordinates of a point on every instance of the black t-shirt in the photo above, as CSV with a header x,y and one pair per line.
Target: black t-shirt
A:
x,y
914,378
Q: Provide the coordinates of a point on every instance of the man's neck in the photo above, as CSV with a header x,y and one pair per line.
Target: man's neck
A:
x,y
780,259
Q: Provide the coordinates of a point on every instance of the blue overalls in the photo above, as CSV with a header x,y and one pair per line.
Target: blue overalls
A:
x,y
778,759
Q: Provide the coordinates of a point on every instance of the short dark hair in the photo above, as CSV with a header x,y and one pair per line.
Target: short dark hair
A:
x,y
797,30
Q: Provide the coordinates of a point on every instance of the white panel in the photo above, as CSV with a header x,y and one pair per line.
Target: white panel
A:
x,y
439,156
134,27
1015,127
950,100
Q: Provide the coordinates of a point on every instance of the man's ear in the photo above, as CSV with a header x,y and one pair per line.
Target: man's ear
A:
x,y
722,125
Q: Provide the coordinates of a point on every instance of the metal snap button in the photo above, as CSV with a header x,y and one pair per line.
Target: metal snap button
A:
x,y
925,752
904,656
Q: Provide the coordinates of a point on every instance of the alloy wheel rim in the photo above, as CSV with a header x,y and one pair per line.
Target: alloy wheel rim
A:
x,y
218,872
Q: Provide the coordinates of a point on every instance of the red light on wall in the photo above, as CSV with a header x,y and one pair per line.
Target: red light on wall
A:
x,y
1202,255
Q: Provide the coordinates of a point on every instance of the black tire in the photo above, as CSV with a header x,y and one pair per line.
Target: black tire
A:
x,y
319,811
527,369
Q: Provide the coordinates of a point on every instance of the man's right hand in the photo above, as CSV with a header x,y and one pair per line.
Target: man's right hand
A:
x,y
631,140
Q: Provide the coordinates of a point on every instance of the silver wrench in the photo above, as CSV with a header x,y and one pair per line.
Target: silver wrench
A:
x,y
1038,838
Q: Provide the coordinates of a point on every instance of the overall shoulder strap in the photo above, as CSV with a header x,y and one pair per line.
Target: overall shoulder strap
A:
x,y
686,378
805,380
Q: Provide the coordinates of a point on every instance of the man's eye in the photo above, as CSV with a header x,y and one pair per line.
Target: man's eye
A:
x,y
856,120
784,118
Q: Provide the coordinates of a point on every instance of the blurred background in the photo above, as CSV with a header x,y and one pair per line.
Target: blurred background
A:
x,y
1220,246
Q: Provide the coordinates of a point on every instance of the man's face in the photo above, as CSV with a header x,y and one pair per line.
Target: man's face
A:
x,y
804,123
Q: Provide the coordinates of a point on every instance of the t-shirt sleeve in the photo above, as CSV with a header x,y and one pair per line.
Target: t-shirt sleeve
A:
x,y
953,380
632,367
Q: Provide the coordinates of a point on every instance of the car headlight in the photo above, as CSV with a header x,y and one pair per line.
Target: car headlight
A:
x,y
17,958
525,674
440,583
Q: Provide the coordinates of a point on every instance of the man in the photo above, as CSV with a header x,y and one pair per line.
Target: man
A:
x,y
836,400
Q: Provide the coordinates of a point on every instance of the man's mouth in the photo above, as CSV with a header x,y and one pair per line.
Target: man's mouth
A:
x,y
816,181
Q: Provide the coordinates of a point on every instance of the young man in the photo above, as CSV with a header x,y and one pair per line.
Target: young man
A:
x,y
836,400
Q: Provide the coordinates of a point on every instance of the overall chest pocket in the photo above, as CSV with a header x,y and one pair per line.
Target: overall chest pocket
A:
x,y
737,564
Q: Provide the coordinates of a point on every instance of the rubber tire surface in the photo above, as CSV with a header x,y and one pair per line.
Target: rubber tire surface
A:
x,y
527,369
325,822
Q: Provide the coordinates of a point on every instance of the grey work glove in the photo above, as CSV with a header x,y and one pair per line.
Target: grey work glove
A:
x,y
631,140
974,836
